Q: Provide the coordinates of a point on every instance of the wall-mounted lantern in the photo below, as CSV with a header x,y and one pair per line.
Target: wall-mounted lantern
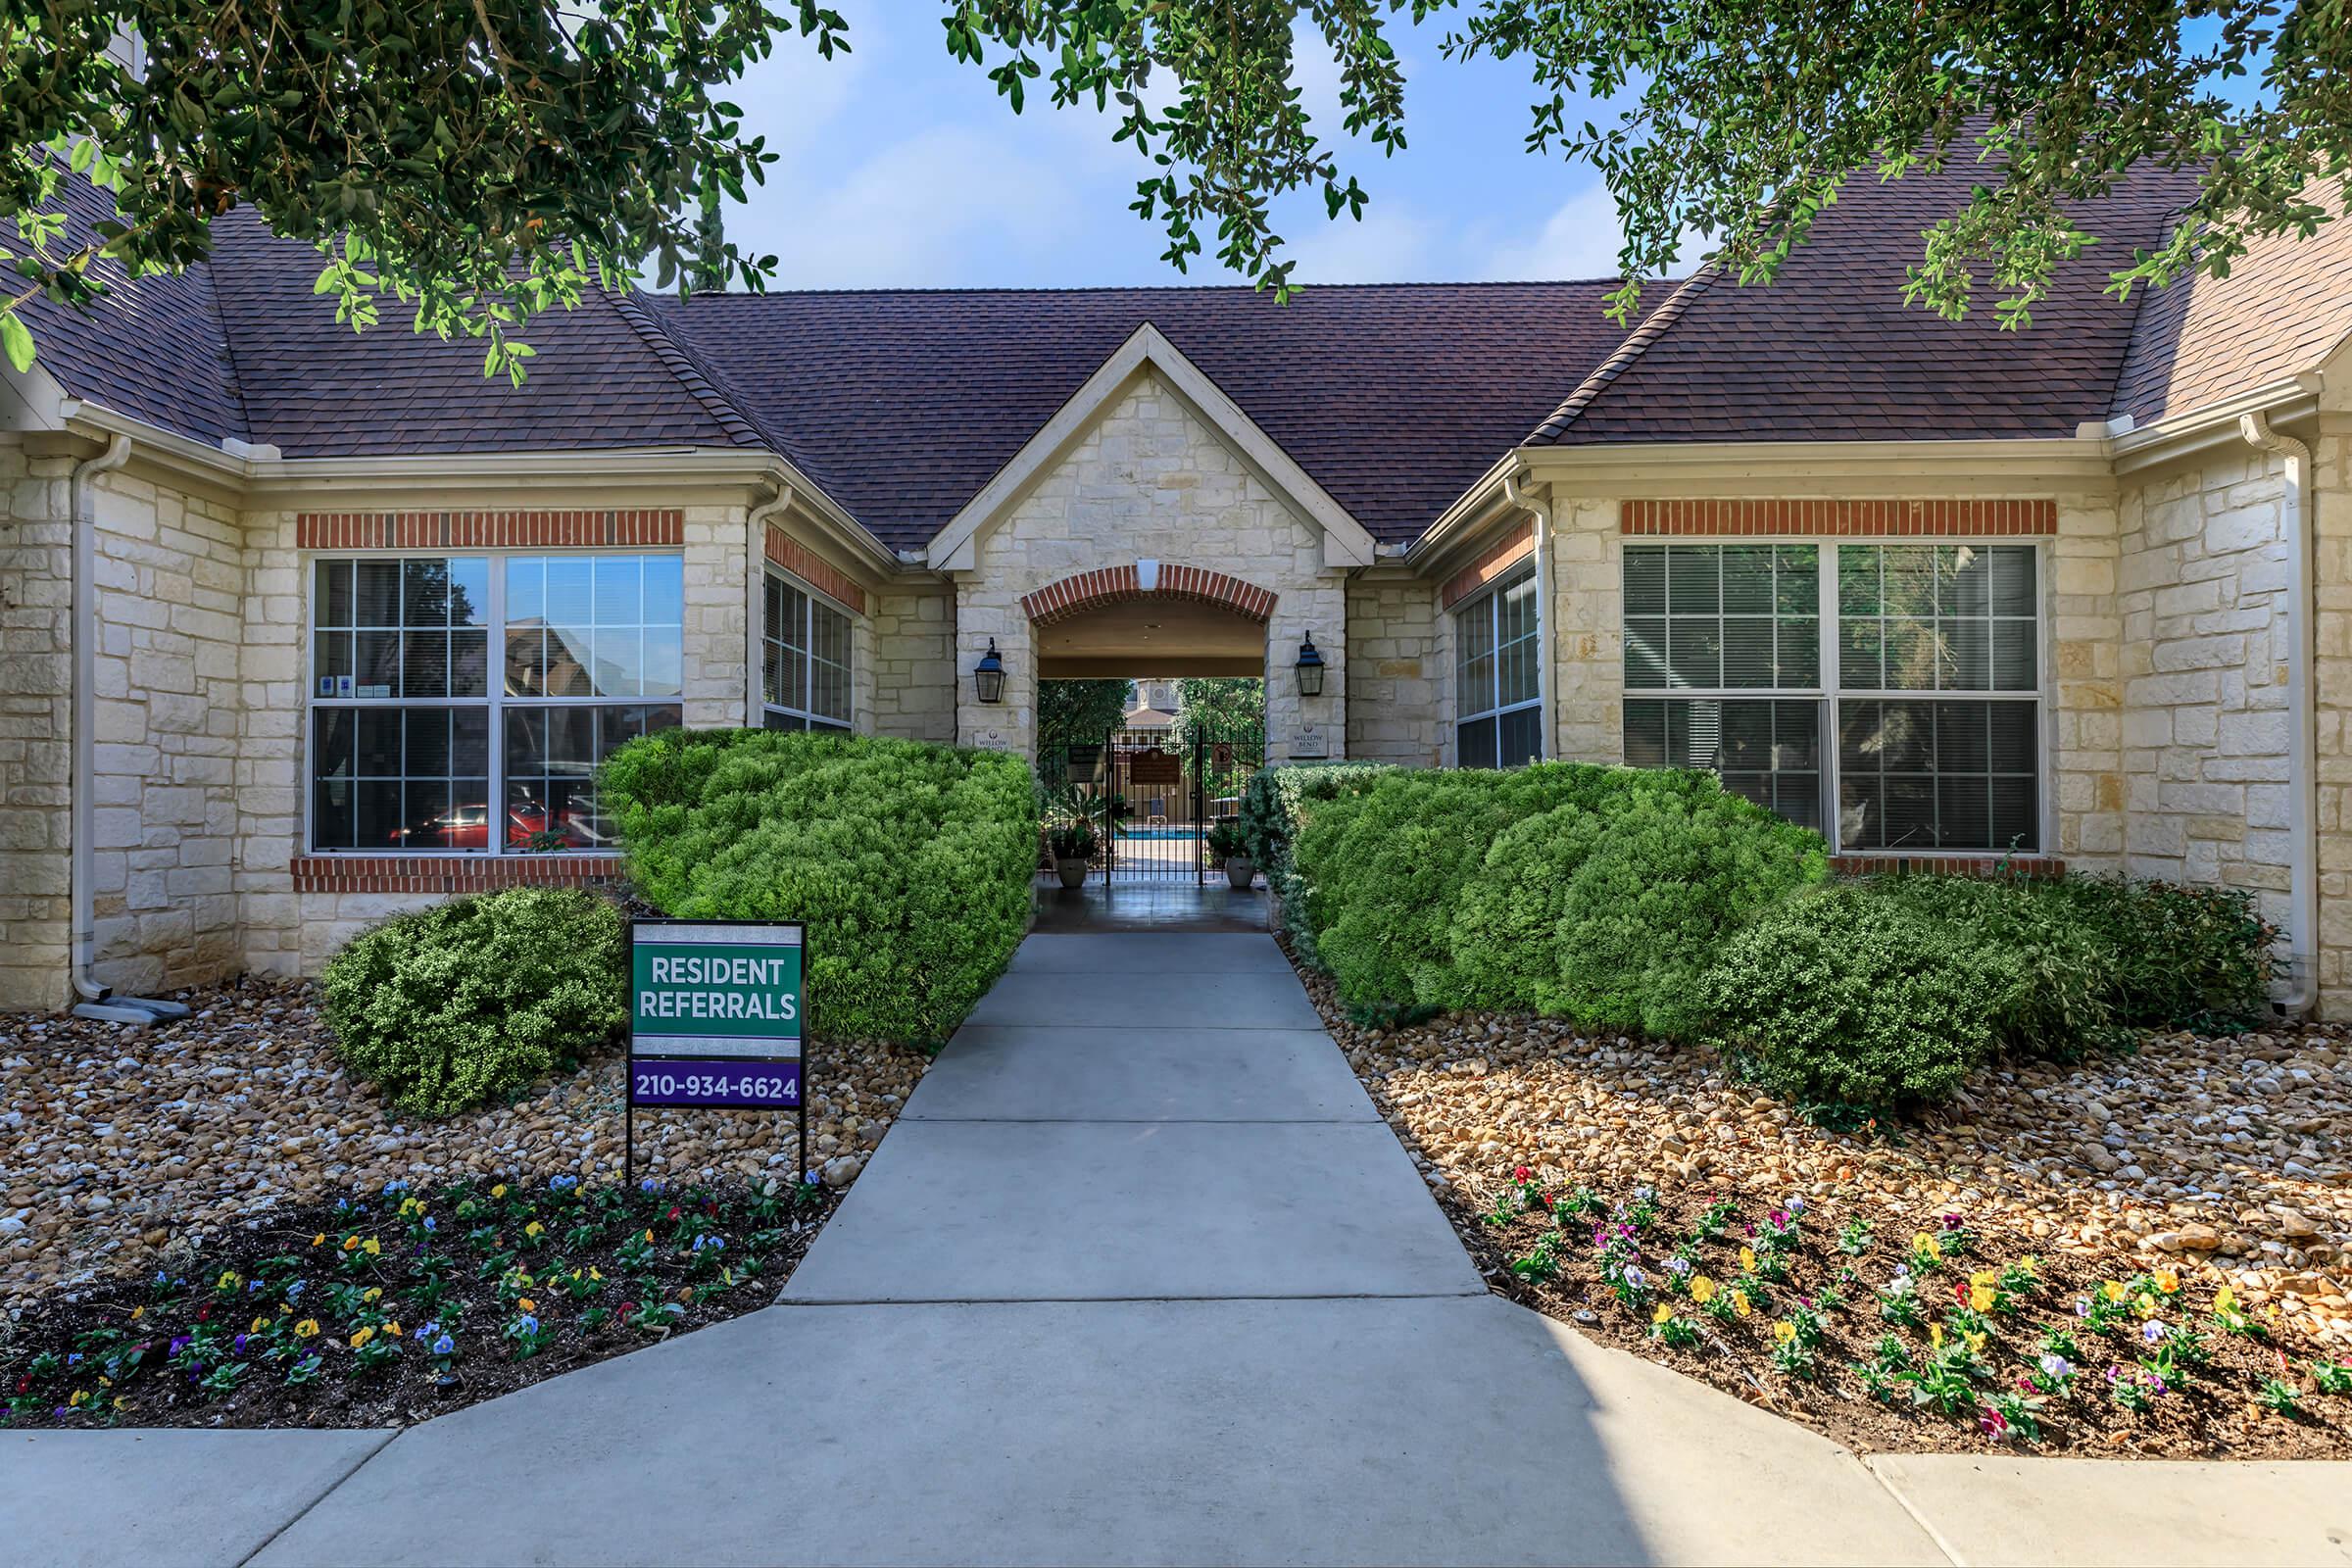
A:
x,y
988,675
1310,667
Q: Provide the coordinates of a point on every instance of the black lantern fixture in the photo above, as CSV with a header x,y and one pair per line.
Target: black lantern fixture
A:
x,y
1310,667
988,675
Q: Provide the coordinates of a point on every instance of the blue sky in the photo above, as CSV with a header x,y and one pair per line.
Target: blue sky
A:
x,y
902,168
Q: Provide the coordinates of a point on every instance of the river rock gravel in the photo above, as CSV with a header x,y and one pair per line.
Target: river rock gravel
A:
x,y
117,1143
2226,1154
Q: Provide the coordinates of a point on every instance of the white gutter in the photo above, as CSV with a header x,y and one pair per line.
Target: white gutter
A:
x,y
2303,938
84,767
1540,514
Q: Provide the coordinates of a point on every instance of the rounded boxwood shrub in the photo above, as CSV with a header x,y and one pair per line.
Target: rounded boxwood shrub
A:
x,y
1605,910
1275,803
449,1006
909,863
2057,969
1850,997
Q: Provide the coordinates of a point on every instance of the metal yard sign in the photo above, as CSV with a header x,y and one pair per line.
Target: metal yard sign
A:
x,y
717,1020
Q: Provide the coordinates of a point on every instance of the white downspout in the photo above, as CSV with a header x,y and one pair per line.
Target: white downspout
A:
x,y
2303,941
84,767
1540,514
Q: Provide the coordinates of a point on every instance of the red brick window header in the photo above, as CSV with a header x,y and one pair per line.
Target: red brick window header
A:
x,y
1500,557
656,528
805,564
1114,585
1841,520
448,874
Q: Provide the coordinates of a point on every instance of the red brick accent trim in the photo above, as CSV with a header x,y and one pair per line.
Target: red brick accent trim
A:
x,y
804,563
1506,554
489,530
1113,585
1842,519
1947,864
447,874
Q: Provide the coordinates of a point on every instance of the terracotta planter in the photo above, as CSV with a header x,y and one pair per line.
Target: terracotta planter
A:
x,y
1071,871
1241,871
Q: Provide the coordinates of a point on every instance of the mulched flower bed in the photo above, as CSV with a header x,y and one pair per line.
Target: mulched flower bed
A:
x,y
1953,1337
404,1304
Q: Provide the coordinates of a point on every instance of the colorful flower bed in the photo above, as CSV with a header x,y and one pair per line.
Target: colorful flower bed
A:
x,y
404,1304
1890,1337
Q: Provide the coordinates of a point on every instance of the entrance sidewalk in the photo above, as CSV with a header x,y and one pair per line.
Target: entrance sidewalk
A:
x,y
1139,1275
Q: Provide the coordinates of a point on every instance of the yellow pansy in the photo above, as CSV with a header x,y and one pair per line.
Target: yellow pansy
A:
x,y
1924,1244
595,1273
228,1281
258,1324
534,1230
373,1292
79,1395
362,1337
1747,1260
1981,1296
1740,1302
1702,1288
319,1240
2112,1291
2146,1306
526,1304
1936,1335
373,1247
2166,1280
500,1190
1974,1341
393,1329
1982,1276
2225,1299
307,1329
137,1312
350,1244
1785,1333
1661,1314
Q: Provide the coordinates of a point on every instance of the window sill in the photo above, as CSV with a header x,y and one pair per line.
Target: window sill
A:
x,y
451,873
1948,862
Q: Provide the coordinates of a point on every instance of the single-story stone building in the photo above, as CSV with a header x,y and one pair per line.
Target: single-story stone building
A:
x,y
302,627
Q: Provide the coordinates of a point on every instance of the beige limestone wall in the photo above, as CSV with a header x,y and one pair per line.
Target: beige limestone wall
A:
x,y
1392,679
2329,499
1588,630
913,664
2201,578
35,712
1151,481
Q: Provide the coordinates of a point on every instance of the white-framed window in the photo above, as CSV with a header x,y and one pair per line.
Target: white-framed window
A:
x,y
804,663
1914,723
464,703
1498,690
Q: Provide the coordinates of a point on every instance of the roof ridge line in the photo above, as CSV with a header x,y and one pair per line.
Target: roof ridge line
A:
x,y
1621,359
690,378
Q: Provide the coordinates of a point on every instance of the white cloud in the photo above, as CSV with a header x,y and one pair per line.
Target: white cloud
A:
x,y
1391,244
1580,239
931,210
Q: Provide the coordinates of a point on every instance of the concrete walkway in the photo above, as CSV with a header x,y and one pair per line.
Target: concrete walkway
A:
x,y
1140,1276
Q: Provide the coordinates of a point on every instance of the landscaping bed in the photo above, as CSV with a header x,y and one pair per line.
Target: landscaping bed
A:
x,y
2208,1163
122,1148
403,1303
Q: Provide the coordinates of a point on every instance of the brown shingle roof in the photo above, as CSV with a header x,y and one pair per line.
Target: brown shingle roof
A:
x,y
1829,350
902,404
2285,306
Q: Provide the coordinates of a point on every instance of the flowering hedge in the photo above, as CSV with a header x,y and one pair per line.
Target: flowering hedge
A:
x,y
909,863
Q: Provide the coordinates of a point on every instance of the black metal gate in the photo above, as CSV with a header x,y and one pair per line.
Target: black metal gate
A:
x,y
1155,793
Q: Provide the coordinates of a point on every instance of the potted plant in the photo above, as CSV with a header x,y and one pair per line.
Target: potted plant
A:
x,y
1071,843
1229,844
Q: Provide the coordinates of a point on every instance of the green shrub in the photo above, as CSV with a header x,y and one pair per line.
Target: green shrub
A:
x,y
1382,874
1608,908
2181,958
911,863
1274,805
2055,969
449,1006
1847,996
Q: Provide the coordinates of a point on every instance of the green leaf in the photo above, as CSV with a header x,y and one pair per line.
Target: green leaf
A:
x,y
16,338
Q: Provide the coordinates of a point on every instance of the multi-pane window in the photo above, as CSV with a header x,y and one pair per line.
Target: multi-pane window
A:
x,y
412,743
1728,667
1498,690
805,671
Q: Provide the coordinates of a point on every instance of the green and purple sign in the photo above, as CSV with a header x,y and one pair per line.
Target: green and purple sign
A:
x,y
716,1013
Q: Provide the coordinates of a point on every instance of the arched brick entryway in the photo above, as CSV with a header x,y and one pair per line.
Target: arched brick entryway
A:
x,y
1113,585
